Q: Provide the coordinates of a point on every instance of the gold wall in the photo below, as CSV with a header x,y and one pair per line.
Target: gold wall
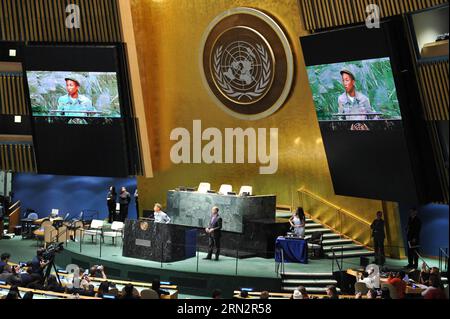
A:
x,y
168,38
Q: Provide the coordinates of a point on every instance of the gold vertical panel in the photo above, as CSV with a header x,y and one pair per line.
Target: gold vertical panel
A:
x,y
9,107
2,97
14,105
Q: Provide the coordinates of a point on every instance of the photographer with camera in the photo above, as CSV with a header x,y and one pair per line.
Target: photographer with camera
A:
x,y
97,271
39,263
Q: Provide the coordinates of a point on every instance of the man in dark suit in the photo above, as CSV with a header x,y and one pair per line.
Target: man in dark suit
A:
x,y
214,232
413,238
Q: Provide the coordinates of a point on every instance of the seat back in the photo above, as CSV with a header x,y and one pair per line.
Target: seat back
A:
x,y
392,290
149,294
96,224
63,234
316,237
361,287
46,223
117,226
204,187
246,189
225,188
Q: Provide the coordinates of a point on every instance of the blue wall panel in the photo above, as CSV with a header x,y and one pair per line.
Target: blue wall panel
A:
x,y
68,193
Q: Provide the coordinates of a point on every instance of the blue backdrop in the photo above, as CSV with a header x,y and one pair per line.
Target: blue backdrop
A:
x,y
68,193
434,233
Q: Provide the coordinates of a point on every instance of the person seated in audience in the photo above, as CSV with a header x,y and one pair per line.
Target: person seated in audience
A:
x,y
90,291
53,284
128,292
37,285
424,274
27,277
28,295
12,295
103,289
302,293
434,290
15,290
97,271
217,294
156,286
398,283
264,295
385,293
332,292
4,259
244,294
372,294
13,277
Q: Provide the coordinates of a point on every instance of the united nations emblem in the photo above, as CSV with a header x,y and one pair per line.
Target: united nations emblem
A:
x,y
143,225
246,63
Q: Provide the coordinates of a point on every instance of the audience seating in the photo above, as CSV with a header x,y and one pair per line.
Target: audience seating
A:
x,y
392,290
149,294
361,287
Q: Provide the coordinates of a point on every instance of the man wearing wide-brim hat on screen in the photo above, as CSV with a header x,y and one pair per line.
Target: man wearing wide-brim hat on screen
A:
x,y
73,102
352,101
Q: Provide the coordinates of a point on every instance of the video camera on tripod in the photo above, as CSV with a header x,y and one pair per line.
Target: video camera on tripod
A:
x,y
51,250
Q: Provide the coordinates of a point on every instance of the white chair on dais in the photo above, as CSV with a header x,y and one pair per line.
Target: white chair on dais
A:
x,y
225,189
246,189
204,187
116,231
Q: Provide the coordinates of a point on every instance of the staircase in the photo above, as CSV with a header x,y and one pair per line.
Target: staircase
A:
x,y
316,282
332,239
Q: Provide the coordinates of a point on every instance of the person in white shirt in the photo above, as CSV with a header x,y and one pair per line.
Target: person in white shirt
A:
x,y
160,216
372,280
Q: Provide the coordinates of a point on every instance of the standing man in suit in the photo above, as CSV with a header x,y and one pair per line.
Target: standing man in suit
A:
x,y
413,238
214,232
124,201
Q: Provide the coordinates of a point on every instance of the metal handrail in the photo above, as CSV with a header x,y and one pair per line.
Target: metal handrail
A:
x,y
335,259
340,209
443,258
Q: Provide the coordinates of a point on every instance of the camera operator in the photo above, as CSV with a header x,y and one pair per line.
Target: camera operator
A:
x,y
97,271
39,263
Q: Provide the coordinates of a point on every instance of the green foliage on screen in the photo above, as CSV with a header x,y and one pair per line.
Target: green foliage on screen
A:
x,y
47,87
373,77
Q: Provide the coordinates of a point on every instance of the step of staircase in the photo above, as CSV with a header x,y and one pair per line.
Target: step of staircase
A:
x,y
313,225
352,253
322,229
307,274
336,242
308,282
346,247
326,236
310,290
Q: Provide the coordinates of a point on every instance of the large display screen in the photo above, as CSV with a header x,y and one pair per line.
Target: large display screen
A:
x,y
82,116
78,95
355,95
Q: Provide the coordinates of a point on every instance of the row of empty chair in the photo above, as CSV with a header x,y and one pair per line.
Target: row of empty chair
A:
x,y
225,189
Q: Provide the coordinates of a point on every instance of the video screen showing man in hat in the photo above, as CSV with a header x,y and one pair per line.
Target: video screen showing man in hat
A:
x,y
352,101
74,103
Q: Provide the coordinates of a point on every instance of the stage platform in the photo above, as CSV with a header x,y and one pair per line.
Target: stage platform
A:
x,y
194,276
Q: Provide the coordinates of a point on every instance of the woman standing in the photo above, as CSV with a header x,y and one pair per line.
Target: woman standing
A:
x,y
298,222
111,202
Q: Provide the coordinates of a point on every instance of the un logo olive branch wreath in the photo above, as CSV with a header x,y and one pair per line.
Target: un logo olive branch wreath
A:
x,y
260,86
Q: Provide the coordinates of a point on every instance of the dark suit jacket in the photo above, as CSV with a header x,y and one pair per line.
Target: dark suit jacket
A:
x,y
413,229
217,227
